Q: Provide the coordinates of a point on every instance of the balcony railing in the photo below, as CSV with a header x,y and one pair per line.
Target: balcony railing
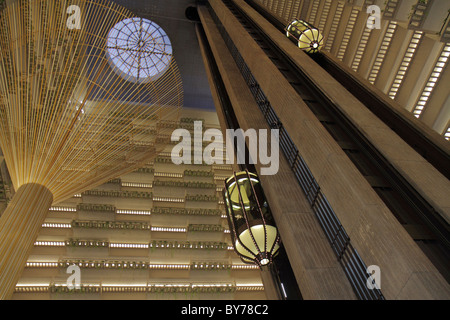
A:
x,y
140,264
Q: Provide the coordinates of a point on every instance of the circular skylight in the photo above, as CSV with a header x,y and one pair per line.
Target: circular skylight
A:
x,y
139,50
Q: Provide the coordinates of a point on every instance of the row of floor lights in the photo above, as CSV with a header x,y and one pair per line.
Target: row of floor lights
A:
x,y
111,287
121,211
134,212
136,185
313,13
132,264
156,229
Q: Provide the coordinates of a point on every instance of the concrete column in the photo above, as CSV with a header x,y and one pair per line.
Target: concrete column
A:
x,y
270,284
19,228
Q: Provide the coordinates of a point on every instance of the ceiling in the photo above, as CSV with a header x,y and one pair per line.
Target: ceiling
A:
x,y
170,15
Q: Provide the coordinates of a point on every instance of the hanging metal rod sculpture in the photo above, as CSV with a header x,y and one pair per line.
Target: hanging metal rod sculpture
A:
x,y
68,121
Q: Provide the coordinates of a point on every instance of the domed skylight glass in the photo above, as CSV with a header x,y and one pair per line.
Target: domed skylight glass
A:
x,y
139,50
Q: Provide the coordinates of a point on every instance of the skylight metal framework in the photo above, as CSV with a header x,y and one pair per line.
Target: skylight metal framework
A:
x,y
139,50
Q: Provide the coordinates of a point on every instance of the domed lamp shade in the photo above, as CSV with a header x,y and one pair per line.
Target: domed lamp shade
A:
x,y
306,36
255,238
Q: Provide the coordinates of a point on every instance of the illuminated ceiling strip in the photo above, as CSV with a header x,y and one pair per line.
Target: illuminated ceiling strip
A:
x,y
334,26
134,212
129,245
280,8
432,80
42,264
220,177
391,8
168,229
57,225
172,245
136,185
382,51
361,48
313,13
447,134
169,175
409,55
167,199
295,11
153,228
63,209
287,11
50,243
347,33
